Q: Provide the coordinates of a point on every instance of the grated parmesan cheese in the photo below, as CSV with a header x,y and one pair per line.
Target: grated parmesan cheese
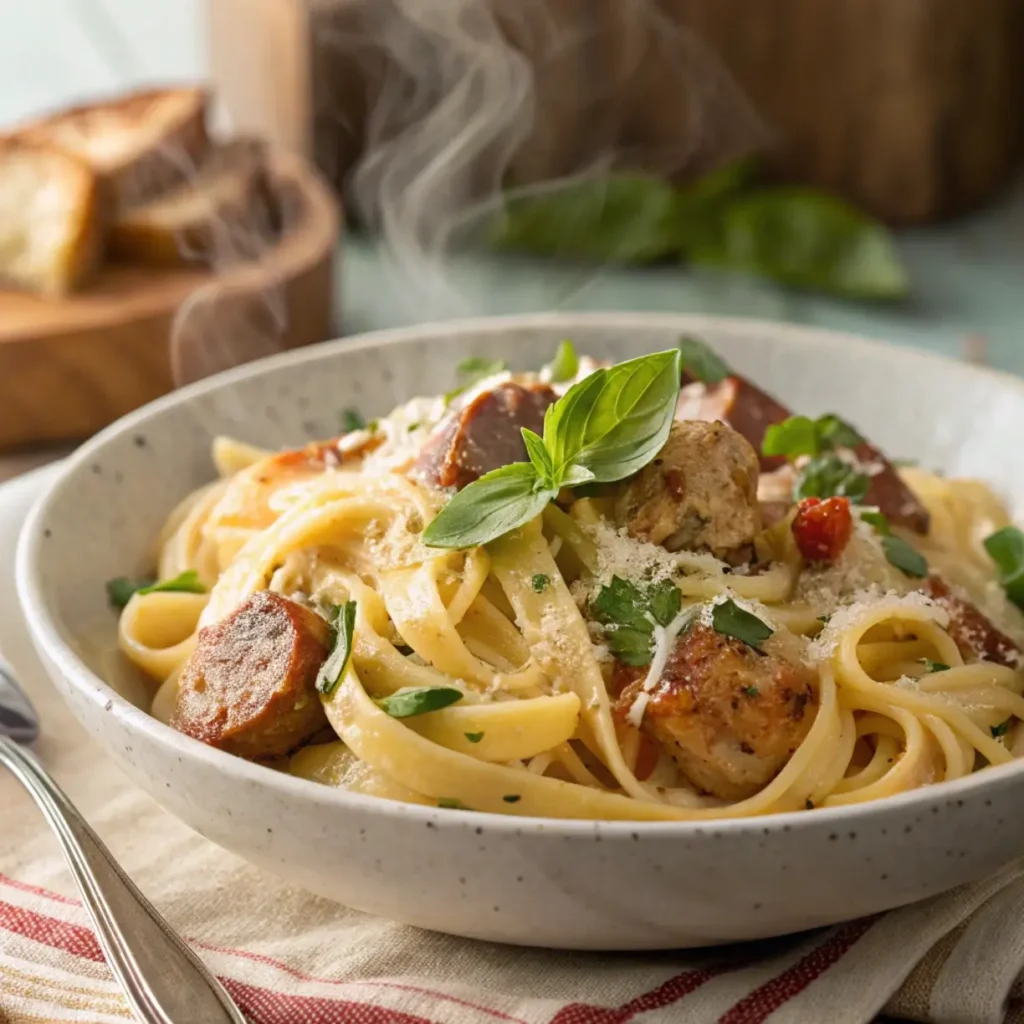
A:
x,y
664,638
867,603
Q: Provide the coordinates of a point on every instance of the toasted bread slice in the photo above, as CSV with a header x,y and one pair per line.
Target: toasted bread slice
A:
x,y
218,216
140,144
51,230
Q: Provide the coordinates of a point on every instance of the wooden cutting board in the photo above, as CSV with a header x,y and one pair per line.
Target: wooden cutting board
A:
x,y
69,367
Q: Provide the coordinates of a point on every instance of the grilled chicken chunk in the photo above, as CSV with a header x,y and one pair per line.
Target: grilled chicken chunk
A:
x,y
249,687
729,716
486,434
699,494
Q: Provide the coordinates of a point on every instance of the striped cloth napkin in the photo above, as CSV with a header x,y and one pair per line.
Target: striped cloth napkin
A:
x,y
291,958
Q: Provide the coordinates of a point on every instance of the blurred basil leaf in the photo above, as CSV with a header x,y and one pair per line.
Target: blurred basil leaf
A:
x,y
806,239
624,218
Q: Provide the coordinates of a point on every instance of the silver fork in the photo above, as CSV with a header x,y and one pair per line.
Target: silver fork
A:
x,y
164,981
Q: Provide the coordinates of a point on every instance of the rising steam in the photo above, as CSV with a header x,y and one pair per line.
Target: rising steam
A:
x,y
470,99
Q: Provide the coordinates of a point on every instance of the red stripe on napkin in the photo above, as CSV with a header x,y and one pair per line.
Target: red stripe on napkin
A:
x,y
665,994
764,1001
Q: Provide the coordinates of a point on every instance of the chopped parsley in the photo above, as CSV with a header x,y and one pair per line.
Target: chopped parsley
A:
x,y
933,666
1001,729
473,737
121,589
629,614
808,804
877,520
729,619
421,701
824,619
751,691
351,419
343,619
1006,548
540,583
451,804
512,798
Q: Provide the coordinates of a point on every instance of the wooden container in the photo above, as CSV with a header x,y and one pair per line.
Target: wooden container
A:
x,y
912,109
69,367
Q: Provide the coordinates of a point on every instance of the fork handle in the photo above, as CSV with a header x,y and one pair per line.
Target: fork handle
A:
x,y
164,981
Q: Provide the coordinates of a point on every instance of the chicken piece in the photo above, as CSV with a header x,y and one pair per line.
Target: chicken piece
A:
x,y
973,633
249,687
485,434
699,494
729,716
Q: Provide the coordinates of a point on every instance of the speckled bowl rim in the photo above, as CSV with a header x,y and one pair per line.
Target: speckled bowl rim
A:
x,y
47,635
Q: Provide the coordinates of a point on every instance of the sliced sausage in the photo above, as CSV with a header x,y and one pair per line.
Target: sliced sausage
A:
x,y
249,687
751,411
699,494
972,632
486,434
729,716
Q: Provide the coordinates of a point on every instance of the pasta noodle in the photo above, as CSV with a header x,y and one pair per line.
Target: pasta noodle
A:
x,y
538,725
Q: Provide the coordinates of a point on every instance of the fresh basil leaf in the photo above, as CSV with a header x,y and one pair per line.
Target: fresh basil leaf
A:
x,y
700,204
489,507
878,521
478,367
1002,728
792,438
121,589
351,419
343,619
622,218
800,435
729,619
1006,548
805,239
473,737
540,583
186,582
565,364
472,370
934,666
630,645
904,557
836,433
407,703
828,476
616,420
540,458
700,362
664,601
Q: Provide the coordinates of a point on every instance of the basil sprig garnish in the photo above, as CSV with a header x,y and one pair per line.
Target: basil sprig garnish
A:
x,y
729,619
898,552
407,703
629,613
1006,548
606,427
352,420
565,364
121,589
701,363
826,474
343,619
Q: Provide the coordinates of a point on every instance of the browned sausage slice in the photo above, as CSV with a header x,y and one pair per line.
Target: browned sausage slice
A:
x,y
485,435
249,687
970,629
730,717
751,411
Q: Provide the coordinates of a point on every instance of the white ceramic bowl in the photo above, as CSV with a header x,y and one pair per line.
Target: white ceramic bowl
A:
x,y
531,881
